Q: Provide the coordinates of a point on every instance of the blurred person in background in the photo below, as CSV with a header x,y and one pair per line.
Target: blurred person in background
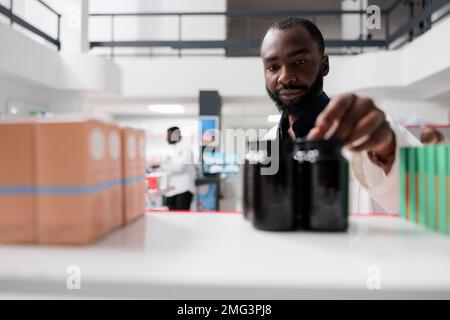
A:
x,y
180,170
430,135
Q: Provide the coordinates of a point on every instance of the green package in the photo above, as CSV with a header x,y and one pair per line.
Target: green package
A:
x,y
432,179
422,185
412,173
403,182
448,188
442,187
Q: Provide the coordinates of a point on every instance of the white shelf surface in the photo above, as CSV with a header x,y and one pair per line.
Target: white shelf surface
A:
x,y
221,256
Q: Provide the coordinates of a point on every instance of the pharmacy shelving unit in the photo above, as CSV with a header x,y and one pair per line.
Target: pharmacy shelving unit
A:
x,y
220,256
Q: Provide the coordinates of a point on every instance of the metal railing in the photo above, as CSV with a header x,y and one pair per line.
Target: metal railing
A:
x,y
251,44
15,19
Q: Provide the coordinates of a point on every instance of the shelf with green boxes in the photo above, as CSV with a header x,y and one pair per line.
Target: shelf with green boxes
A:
x,y
425,186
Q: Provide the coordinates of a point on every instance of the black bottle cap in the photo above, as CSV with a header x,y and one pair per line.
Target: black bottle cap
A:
x,y
306,144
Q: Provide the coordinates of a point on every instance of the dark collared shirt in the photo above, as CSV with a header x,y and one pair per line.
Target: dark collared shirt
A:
x,y
307,118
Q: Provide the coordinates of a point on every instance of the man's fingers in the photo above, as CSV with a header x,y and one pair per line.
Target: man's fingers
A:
x,y
375,139
335,110
351,119
347,125
368,124
315,134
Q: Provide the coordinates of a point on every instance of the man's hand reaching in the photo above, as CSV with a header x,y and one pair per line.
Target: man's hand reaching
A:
x,y
361,125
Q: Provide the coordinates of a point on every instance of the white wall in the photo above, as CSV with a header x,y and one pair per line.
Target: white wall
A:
x,y
185,77
240,77
239,80
414,111
243,76
30,97
38,15
25,59
156,28
41,76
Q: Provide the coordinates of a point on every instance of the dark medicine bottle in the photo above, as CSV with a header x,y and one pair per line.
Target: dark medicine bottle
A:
x,y
269,192
322,185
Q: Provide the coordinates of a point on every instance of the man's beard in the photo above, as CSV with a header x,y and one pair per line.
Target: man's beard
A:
x,y
297,107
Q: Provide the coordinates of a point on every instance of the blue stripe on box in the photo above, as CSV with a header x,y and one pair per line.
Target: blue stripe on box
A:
x,y
133,180
16,190
68,190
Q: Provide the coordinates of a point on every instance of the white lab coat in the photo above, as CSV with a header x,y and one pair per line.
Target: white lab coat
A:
x,y
382,188
371,190
180,169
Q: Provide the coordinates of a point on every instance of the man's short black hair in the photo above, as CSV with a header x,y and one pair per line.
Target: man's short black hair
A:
x,y
292,22
172,129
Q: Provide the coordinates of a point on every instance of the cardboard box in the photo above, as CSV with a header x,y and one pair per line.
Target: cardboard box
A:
x,y
16,183
141,187
114,165
133,170
73,181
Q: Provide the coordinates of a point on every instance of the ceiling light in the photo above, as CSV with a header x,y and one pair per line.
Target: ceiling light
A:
x,y
13,110
166,108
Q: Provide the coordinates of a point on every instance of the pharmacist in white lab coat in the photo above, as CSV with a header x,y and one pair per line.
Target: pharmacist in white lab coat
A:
x,y
295,63
181,172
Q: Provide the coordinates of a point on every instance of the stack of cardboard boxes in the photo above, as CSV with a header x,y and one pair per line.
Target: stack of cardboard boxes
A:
x,y
425,186
133,169
17,205
68,182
